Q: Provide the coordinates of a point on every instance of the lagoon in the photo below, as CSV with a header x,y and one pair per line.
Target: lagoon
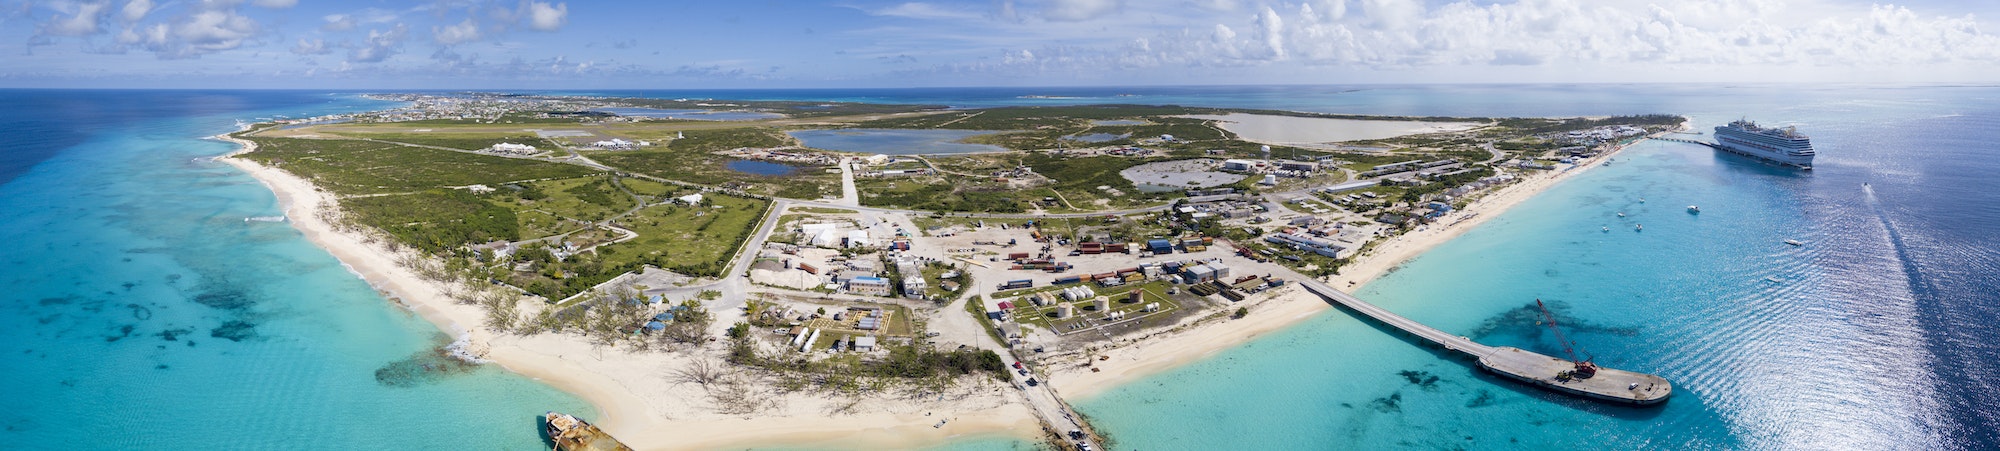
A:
x,y
761,167
895,141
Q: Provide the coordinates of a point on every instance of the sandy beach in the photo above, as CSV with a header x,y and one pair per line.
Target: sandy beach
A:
x,y
637,403
1291,305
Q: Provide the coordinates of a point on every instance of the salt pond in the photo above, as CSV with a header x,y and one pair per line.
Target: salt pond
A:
x,y
895,141
1313,130
1098,137
761,167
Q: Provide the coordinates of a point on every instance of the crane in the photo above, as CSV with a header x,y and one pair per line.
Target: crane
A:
x,y
1584,368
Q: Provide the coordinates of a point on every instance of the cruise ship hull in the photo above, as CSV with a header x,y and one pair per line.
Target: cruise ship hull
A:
x,y
1782,146
1782,160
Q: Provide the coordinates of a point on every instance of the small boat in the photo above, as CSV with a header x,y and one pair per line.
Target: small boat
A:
x,y
1607,229
1639,227
1794,242
1694,209
1773,279
1621,214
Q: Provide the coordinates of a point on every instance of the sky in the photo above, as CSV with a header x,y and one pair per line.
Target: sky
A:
x,y
478,44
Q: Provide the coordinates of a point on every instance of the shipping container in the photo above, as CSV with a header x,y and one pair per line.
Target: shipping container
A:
x,y
808,268
1017,256
1066,280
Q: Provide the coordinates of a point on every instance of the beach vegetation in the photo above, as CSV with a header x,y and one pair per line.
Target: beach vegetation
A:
x,y
353,167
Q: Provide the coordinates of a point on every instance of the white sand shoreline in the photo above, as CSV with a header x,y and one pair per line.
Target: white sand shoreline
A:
x,y
634,402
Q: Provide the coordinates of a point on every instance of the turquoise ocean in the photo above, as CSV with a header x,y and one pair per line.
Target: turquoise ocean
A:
x,y
124,247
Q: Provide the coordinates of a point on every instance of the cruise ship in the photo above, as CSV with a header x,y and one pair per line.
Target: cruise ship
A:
x,y
1778,145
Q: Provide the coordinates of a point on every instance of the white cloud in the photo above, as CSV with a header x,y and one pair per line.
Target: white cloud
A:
x,y
920,10
1394,35
275,4
1079,10
212,31
379,46
464,32
311,47
82,19
135,10
339,22
545,17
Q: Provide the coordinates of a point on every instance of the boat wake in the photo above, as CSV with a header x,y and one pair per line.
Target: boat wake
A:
x,y
264,219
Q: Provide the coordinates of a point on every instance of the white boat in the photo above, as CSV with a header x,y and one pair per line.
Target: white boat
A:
x,y
1639,227
1642,200
1794,242
1694,209
1607,229
1621,214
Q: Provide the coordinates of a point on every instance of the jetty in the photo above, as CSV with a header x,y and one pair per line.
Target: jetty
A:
x,y
1552,373
1689,141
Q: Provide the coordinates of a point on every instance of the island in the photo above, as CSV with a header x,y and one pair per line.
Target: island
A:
x,y
715,273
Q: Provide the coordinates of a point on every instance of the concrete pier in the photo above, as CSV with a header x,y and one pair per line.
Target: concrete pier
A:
x,y
1543,371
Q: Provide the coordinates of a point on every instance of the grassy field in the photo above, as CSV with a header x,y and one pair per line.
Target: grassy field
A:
x,y
1078,178
435,220
696,240
360,167
936,193
590,199
460,141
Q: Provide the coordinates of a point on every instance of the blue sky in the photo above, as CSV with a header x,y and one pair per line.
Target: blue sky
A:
x,y
863,43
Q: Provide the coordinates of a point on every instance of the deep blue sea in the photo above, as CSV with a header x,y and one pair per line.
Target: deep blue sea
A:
x,y
1878,333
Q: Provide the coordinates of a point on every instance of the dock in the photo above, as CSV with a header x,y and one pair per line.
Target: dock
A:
x,y
1611,385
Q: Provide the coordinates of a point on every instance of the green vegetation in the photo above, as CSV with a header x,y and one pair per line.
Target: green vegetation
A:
x,y
907,361
460,141
938,193
435,220
1078,178
350,167
588,199
696,240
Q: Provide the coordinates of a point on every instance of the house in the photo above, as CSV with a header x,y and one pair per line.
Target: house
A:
x,y
1305,243
1237,165
857,238
1303,166
1161,247
868,285
914,286
864,344
511,148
